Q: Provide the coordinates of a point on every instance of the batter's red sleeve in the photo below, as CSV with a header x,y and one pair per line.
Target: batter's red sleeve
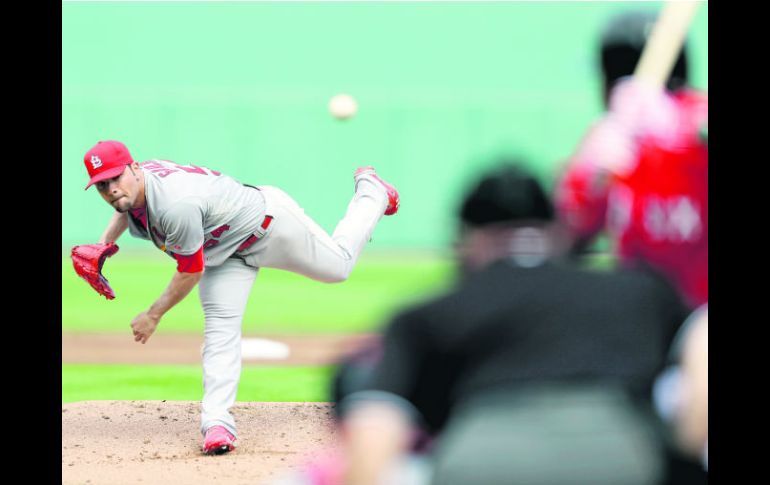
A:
x,y
581,204
190,264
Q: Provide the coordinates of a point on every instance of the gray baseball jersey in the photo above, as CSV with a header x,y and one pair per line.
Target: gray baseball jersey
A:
x,y
190,206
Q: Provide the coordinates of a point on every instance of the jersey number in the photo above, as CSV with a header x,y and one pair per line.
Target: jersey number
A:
x,y
675,219
163,171
216,233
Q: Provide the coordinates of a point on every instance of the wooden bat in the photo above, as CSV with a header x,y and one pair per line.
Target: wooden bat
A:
x,y
665,42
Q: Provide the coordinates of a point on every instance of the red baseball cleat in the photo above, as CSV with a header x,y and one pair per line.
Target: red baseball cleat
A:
x,y
218,441
393,199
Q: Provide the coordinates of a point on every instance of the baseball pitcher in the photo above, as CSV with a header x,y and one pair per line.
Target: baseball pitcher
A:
x,y
220,232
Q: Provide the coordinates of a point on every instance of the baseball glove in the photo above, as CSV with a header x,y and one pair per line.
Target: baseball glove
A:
x,y
88,260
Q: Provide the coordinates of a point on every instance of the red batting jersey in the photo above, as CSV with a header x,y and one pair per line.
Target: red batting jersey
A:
x,y
658,210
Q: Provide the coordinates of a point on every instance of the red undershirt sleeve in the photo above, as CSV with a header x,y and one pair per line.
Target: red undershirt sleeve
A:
x,y
192,263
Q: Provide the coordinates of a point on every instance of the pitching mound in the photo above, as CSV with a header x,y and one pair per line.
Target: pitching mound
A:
x,y
158,442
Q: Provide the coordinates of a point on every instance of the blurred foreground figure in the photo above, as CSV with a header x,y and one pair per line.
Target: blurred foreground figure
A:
x,y
692,420
641,172
681,392
530,371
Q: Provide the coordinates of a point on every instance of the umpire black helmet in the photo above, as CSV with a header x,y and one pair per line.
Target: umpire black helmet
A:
x,y
506,194
622,42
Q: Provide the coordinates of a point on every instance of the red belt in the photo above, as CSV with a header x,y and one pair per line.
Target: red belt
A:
x,y
254,238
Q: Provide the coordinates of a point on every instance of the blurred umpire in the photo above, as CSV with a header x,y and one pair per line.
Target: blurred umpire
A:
x,y
529,371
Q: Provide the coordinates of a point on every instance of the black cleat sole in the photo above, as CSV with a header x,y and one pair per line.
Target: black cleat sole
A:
x,y
221,450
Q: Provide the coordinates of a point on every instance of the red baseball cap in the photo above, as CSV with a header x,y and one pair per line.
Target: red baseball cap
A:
x,y
107,159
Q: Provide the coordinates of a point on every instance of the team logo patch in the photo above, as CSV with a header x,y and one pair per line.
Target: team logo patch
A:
x,y
96,162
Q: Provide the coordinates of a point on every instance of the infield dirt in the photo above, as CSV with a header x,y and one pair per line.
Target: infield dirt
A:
x,y
112,348
158,442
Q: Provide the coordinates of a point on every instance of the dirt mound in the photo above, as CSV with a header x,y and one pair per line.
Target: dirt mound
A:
x,y
158,442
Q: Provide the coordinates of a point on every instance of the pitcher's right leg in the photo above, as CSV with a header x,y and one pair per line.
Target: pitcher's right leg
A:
x,y
224,292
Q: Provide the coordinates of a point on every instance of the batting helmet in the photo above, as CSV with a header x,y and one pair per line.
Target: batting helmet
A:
x,y
622,42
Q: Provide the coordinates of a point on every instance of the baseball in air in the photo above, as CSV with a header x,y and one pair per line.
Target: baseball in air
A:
x,y
343,106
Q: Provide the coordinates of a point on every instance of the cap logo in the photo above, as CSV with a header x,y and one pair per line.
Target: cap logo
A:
x,y
96,162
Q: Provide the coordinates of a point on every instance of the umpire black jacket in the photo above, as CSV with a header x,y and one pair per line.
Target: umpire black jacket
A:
x,y
510,326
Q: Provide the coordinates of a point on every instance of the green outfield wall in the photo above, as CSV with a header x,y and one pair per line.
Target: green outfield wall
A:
x,y
243,87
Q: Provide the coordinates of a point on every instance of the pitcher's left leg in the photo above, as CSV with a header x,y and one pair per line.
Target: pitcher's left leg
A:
x,y
372,198
299,244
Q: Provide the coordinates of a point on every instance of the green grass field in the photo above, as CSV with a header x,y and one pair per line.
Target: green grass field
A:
x,y
184,383
281,302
